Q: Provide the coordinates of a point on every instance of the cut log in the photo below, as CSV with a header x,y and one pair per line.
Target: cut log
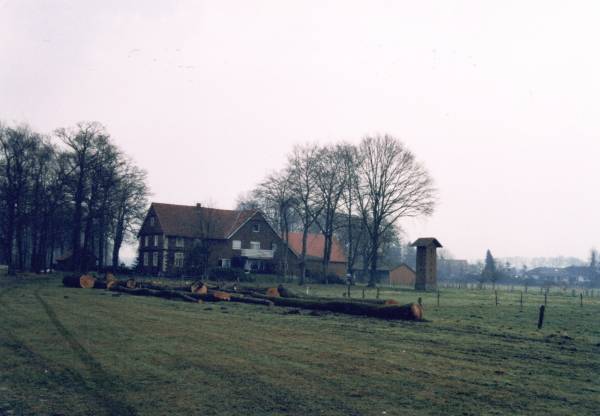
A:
x,y
130,283
84,281
165,294
272,292
411,312
391,302
87,281
100,284
109,276
199,287
250,300
224,296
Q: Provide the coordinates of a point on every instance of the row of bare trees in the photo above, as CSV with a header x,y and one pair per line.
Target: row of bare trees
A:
x,y
357,193
73,191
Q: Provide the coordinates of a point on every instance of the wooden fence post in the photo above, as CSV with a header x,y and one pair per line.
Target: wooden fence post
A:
x,y
377,292
541,317
521,301
545,298
496,293
438,298
581,298
420,301
363,292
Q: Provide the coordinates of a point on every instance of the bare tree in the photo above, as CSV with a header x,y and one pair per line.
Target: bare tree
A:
x,y
83,142
391,185
276,202
302,167
19,149
130,198
330,181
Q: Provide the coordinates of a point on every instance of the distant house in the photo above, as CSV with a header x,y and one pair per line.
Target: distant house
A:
x,y
402,275
315,244
175,239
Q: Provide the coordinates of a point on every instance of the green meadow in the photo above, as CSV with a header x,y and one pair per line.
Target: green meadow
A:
x,y
93,352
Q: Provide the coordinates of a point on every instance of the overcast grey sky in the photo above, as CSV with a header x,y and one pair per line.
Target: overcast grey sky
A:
x,y
500,100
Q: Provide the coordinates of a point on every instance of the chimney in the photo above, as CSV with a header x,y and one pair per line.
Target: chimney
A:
x,y
198,205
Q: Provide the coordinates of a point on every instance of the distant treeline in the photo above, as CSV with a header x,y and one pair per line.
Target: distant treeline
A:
x,y
73,191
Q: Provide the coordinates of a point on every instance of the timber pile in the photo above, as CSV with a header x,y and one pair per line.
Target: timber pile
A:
x,y
278,296
84,281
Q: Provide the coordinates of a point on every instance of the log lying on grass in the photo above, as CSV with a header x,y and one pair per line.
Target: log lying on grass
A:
x,y
85,281
165,294
410,312
129,283
199,287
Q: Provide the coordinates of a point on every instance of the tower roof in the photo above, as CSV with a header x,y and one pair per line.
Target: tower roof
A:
x,y
427,242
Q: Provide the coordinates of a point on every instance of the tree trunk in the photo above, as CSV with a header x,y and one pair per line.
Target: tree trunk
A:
x,y
303,256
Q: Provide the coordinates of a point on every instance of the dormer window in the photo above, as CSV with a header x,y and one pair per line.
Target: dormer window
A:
x,y
152,221
256,227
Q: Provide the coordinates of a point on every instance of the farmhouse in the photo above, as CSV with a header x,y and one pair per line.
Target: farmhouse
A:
x,y
176,239
315,244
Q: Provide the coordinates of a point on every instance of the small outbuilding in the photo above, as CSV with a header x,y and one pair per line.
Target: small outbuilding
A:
x,y
402,275
426,278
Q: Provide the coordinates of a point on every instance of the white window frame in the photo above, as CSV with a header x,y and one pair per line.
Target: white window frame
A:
x,y
256,227
146,241
155,240
225,263
155,259
179,242
165,242
178,259
255,245
236,244
145,256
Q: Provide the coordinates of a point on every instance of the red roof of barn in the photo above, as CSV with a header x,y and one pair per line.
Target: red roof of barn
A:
x,y
315,244
199,222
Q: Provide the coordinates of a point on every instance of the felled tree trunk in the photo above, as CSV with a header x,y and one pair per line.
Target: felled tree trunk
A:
x,y
165,294
410,312
112,283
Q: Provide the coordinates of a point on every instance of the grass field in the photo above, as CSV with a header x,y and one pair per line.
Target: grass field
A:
x,y
91,352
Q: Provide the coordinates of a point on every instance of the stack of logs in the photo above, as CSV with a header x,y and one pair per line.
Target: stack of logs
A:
x,y
278,296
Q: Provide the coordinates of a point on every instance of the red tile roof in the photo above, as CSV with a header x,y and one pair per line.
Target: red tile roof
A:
x,y
199,222
315,244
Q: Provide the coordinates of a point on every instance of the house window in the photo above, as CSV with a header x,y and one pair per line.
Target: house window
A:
x,y
156,241
179,242
255,245
256,227
179,259
225,263
155,259
146,241
152,221
145,259
165,242
236,244
274,246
